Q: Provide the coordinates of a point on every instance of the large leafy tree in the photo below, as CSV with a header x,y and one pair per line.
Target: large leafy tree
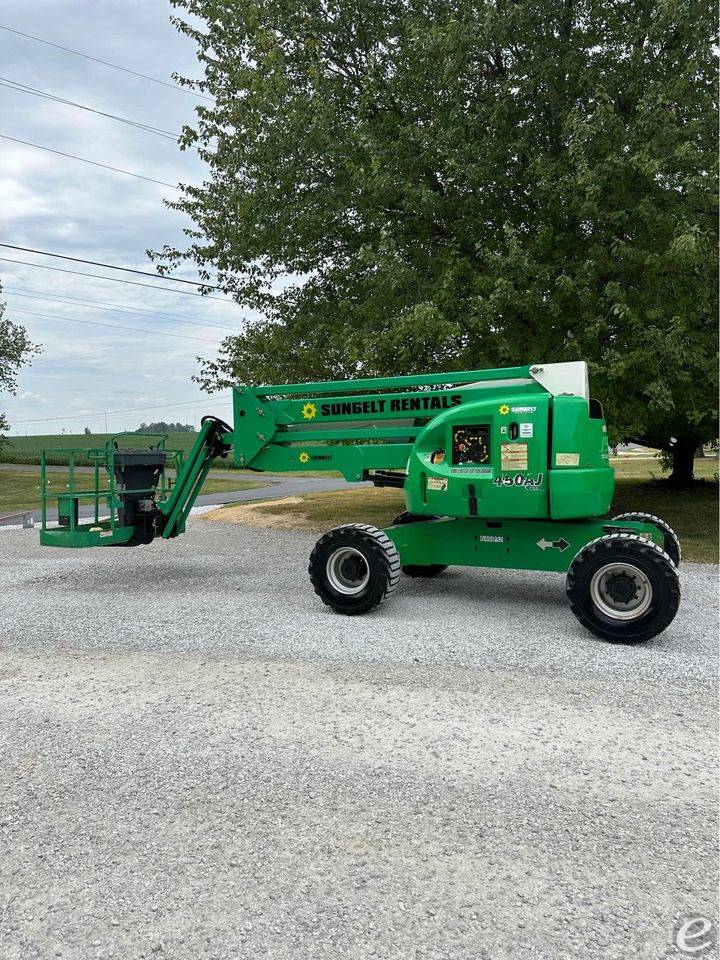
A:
x,y
410,185
15,350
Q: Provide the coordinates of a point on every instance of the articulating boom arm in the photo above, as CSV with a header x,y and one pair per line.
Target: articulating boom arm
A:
x,y
211,442
282,427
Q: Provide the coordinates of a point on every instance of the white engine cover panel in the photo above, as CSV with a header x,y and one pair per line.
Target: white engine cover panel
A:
x,y
563,378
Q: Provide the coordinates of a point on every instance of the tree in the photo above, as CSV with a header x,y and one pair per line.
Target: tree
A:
x,y
425,184
162,427
88,431
15,350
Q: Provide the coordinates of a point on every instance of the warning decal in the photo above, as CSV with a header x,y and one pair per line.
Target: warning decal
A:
x,y
514,456
437,483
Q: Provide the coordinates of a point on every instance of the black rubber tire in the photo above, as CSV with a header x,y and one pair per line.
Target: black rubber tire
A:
x,y
671,542
651,561
380,556
414,569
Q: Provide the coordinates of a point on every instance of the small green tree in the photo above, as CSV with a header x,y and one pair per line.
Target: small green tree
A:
x,y
419,184
15,349
161,427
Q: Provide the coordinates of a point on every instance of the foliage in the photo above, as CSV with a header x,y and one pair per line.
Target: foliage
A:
x,y
162,427
15,350
403,185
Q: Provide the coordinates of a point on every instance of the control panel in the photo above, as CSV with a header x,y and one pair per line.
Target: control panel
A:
x,y
471,444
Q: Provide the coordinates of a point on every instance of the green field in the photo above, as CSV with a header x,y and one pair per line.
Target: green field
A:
x,y
20,490
28,449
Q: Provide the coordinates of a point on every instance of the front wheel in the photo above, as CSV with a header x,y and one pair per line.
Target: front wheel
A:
x,y
623,588
354,568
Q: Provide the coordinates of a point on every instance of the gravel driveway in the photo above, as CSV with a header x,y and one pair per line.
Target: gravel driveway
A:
x,y
199,760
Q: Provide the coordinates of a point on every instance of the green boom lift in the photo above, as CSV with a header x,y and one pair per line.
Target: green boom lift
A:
x,y
503,468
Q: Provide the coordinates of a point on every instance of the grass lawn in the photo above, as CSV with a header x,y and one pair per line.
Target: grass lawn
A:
x,y
693,514
21,490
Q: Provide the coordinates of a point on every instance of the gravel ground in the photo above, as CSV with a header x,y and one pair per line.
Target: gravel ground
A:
x,y
198,760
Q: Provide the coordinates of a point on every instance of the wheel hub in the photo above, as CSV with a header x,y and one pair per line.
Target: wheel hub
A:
x,y
621,591
347,571
621,588
351,568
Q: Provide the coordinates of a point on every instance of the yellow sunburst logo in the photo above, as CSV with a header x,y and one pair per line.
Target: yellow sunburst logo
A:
x,y
304,457
309,411
504,409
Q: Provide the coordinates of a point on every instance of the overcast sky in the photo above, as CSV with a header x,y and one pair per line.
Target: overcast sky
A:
x,y
51,203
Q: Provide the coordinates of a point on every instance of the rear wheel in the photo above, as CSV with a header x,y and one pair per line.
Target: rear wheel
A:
x,y
414,569
623,588
354,568
671,544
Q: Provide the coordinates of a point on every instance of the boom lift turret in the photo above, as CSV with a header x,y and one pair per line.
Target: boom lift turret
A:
x,y
504,468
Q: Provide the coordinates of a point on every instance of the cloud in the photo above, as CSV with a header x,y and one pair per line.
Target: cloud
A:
x,y
57,204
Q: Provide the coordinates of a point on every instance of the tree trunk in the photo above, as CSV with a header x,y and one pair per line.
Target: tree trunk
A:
x,y
683,453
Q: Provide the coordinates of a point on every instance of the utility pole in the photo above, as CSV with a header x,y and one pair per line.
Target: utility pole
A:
x,y
106,429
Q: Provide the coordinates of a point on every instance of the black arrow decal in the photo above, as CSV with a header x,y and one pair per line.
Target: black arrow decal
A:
x,y
560,544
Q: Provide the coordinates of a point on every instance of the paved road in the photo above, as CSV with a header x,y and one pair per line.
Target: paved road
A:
x,y
199,760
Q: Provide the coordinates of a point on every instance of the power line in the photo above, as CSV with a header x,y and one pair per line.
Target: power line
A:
x,y
107,63
46,95
111,266
112,413
25,88
115,326
99,276
113,307
94,163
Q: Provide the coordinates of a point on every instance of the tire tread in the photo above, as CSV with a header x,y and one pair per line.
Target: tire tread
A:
x,y
662,563
661,524
379,544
